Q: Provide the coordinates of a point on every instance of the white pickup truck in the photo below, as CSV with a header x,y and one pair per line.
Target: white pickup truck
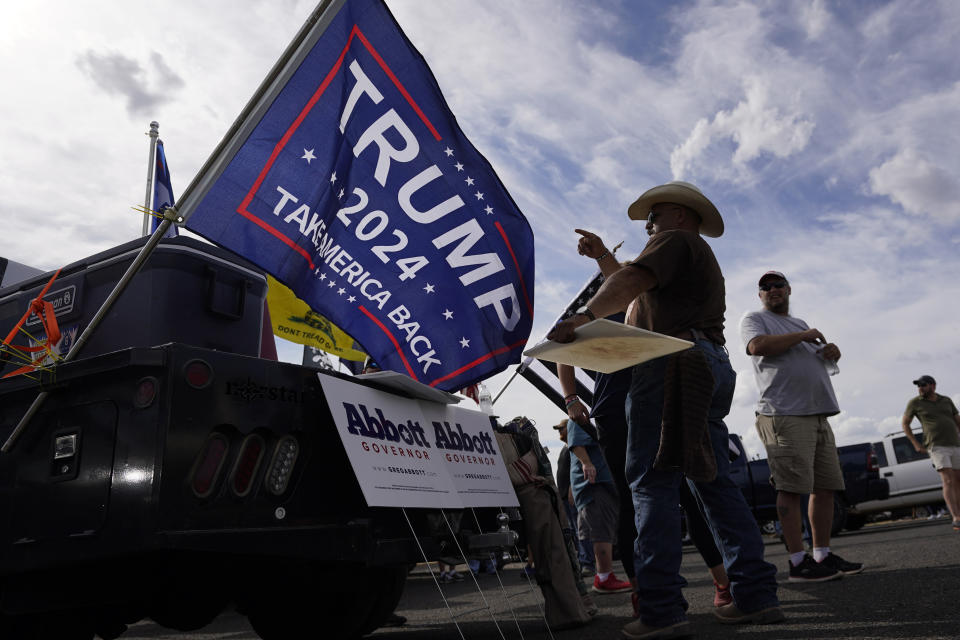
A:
x,y
914,482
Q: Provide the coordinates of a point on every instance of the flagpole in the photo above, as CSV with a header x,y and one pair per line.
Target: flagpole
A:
x,y
148,198
504,387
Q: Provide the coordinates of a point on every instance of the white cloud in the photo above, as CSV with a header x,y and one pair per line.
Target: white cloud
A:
x,y
754,126
918,185
752,95
814,18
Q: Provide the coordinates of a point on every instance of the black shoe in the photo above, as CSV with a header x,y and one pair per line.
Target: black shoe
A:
x,y
846,568
811,571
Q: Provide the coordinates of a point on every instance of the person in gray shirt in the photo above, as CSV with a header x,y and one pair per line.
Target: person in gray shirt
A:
x,y
792,364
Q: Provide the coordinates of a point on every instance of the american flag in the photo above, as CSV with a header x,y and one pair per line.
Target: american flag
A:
x,y
543,375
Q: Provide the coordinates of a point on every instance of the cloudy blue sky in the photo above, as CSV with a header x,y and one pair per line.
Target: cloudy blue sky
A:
x,y
825,132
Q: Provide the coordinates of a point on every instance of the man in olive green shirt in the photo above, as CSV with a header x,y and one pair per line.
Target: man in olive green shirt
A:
x,y
941,437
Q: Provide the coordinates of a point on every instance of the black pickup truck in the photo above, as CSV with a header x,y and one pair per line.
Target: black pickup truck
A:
x,y
172,471
860,473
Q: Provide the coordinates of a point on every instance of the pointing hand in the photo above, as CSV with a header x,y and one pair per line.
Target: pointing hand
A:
x,y
590,244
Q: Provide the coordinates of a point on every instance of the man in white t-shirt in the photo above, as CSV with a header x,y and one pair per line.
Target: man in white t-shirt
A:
x,y
790,361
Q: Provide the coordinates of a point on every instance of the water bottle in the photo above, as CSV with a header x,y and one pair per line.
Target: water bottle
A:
x,y
830,365
486,400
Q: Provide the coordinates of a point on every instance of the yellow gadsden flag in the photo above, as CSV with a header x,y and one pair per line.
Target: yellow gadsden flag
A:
x,y
294,320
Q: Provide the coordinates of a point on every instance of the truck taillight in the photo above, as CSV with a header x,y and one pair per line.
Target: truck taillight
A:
x,y
281,465
145,393
207,468
248,461
872,464
198,374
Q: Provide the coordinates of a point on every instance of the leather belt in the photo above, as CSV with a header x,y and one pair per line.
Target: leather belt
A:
x,y
693,335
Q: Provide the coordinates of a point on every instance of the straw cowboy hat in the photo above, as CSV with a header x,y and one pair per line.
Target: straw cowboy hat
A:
x,y
677,192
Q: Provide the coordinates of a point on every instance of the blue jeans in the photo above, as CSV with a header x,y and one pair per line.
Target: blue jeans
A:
x,y
658,550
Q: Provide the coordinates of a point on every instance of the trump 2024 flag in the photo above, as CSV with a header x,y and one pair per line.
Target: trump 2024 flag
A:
x,y
349,180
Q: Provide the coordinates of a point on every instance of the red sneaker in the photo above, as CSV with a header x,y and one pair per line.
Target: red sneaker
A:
x,y
721,595
610,585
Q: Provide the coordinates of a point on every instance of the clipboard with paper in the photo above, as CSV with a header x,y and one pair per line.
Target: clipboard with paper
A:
x,y
607,346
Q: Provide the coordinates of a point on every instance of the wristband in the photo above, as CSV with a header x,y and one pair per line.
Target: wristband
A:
x,y
570,403
605,254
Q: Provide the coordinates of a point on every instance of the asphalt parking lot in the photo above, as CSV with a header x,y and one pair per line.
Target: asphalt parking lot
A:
x,y
909,589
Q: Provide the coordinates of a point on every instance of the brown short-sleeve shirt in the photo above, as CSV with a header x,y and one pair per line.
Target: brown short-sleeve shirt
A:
x,y
690,292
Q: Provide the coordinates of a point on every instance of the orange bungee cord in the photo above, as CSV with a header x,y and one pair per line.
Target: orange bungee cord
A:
x,y
48,319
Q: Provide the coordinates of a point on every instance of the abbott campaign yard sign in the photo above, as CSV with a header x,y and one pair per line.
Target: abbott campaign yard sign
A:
x,y
407,453
389,448
473,459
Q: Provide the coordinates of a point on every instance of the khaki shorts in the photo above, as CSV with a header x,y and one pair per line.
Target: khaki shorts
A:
x,y
945,457
802,453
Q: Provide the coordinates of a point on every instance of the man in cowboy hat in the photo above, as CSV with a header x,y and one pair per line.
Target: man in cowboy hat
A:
x,y
679,291
941,438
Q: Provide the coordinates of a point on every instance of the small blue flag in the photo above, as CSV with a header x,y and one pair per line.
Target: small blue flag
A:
x,y
352,184
162,191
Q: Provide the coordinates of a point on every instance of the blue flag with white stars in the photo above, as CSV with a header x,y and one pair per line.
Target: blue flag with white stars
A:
x,y
353,185
162,191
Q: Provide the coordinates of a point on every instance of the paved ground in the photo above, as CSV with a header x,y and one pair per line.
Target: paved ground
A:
x,y
911,589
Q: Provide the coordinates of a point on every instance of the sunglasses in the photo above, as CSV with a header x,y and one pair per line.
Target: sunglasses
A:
x,y
779,284
653,215
924,384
